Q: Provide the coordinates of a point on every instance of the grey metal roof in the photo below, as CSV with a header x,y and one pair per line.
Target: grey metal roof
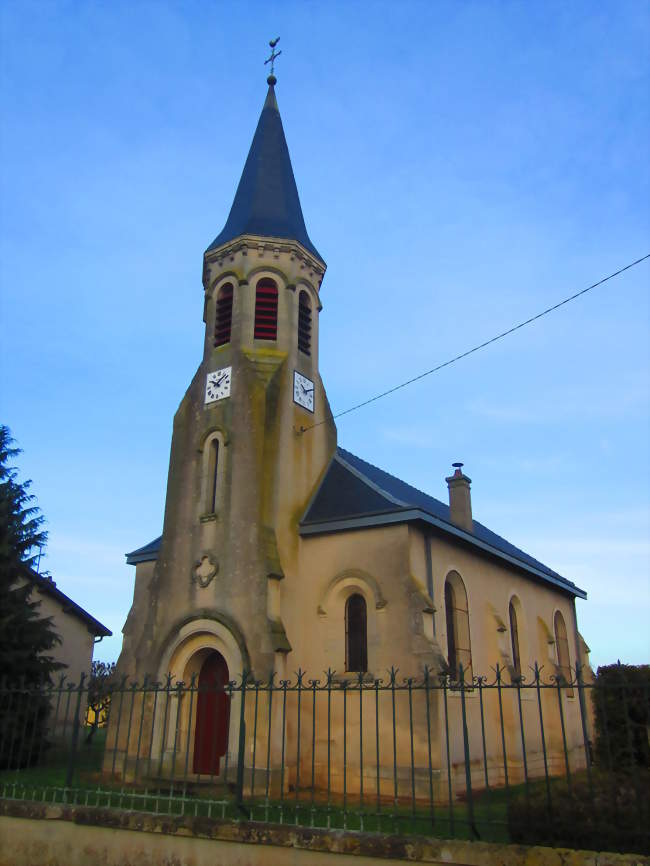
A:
x,y
145,554
356,494
266,202
47,586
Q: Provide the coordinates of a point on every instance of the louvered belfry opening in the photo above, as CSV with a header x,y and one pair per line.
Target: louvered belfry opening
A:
x,y
304,323
266,310
223,317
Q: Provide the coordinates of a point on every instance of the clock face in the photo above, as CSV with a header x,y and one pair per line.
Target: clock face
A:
x,y
303,391
217,385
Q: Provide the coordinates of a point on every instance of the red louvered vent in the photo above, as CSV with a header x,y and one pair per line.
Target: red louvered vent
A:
x,y
304,323
223,317
266,311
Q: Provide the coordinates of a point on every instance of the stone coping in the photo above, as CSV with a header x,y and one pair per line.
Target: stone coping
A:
x,y
412,849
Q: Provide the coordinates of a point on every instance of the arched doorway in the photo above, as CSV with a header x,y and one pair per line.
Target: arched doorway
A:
x,y
212,715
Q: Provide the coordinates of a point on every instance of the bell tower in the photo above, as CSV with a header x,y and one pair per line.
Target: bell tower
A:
x,y
242,468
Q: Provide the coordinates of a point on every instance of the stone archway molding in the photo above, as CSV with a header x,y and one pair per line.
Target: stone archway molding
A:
x,y
217,430
189,641
352,578
208,630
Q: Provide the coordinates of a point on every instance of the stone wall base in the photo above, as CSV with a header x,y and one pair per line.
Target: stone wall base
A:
x,y
37,834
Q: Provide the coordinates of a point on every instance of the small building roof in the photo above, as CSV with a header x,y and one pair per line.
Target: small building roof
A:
x,y
355,494
47,586
266,202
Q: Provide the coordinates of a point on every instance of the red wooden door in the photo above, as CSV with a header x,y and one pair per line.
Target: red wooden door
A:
x,y
212,715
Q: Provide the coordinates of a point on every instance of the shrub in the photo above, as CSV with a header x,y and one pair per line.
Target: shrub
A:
x,y
622,716
100,686
613,815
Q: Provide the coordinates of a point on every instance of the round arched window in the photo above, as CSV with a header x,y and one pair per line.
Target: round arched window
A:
x,y
356,634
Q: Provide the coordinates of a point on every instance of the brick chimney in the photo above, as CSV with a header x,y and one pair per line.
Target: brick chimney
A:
x,y
460,499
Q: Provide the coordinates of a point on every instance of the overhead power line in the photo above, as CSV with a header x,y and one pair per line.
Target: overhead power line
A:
x,y
480,345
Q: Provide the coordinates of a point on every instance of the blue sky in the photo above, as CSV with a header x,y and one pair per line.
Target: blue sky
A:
x,y
461,166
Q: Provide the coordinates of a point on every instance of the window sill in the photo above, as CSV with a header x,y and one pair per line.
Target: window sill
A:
x,y
454,690
351,678
209,517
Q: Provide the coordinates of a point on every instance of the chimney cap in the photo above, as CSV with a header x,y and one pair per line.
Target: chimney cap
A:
x,y
457,465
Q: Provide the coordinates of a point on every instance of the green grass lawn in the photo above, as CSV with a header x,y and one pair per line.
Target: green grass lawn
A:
x,y
47,782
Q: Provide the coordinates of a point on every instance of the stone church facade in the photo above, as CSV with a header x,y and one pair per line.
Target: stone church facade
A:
x,y
281,550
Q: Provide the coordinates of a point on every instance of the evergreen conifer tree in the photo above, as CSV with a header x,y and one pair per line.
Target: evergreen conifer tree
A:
x,y
26,638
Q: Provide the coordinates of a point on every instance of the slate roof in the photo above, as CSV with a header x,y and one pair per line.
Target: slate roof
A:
x,y
266,202
356,494
48,587
146,553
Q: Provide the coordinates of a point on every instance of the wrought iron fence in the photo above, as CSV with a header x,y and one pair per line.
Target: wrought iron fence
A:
x,y
497,758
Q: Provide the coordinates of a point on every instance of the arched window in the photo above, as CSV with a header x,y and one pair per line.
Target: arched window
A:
x,y
562,649
223,316
304,323
266,310
457,617
356,634
213,475
514,639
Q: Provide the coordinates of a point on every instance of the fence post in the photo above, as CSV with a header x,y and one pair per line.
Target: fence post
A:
x,y
559,680
583,720
503,732
23,695
75,734
16,716
468,769
543,737
299,674
445,681
242,744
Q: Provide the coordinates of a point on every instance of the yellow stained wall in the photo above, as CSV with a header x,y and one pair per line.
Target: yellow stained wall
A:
x,y
76,648
242,581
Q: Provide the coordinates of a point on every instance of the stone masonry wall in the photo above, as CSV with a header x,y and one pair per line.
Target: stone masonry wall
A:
x,y
36,834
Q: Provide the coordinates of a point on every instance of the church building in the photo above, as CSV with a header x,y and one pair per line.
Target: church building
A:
x,y
280,549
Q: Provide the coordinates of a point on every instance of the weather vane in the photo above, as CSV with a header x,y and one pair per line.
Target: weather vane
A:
x,y
274,54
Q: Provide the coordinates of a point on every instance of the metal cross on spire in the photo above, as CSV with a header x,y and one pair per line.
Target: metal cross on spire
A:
x,y
274,54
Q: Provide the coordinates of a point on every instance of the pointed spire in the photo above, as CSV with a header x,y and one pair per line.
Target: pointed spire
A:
x,y
266,202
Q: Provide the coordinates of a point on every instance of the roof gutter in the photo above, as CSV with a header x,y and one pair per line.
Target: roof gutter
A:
x,y
135,558
408,515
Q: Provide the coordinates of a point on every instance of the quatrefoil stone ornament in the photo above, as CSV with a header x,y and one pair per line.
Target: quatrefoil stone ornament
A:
x,y
204,570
